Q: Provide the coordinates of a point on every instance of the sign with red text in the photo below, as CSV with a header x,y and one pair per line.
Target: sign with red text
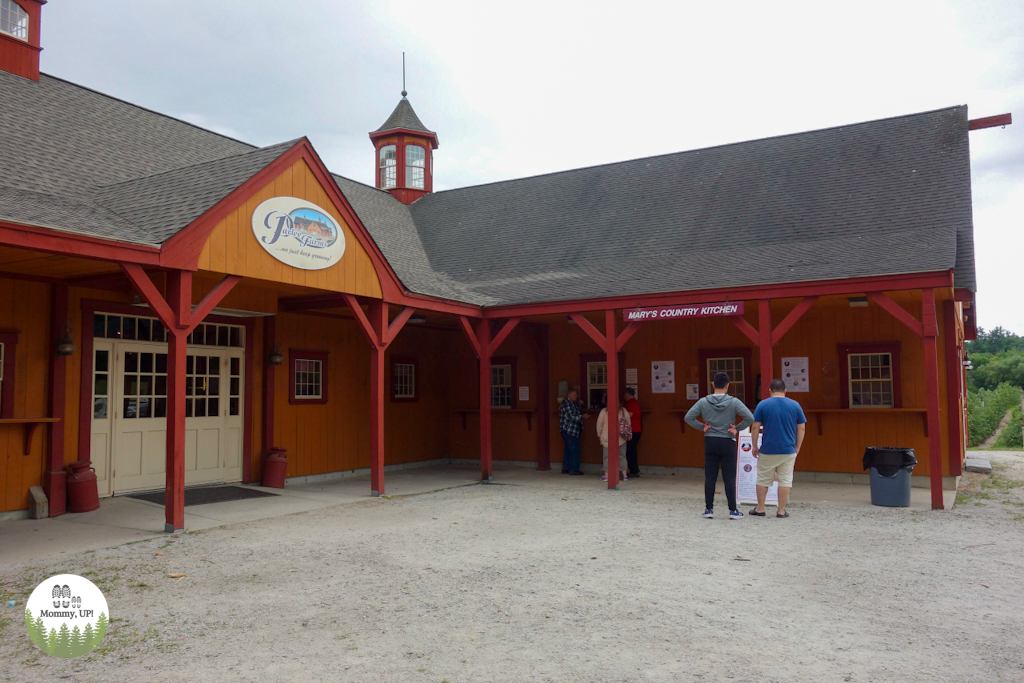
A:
x,y
677,312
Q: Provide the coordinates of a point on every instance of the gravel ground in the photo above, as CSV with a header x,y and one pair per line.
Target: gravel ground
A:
x,y
522,583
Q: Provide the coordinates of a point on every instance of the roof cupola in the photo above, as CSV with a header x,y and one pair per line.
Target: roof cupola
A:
x,y
404,158
19,37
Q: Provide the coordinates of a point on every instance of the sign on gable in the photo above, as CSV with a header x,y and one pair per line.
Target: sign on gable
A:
x,y
299,233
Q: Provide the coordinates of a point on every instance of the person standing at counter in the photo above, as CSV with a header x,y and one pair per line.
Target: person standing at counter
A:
x,y
719,411
633,406
570,424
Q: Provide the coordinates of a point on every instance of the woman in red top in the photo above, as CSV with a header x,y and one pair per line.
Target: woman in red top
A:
x,y
633,406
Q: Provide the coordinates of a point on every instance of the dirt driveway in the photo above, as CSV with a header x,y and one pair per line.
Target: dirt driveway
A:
x,y
521,583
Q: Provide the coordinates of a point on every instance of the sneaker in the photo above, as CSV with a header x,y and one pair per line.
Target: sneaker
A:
x,y
604,478
625,479
735,514
708,514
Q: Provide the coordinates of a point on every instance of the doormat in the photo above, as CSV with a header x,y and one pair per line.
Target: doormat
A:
x,y
206,494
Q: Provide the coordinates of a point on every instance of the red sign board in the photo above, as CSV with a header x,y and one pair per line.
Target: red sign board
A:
x,y
688,311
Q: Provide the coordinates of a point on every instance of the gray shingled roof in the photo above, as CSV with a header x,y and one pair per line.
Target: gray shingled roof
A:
x,y
403,117
75,160
879,198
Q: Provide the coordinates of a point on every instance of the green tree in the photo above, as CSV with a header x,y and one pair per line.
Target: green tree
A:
x,y
101,628
63,648
996,340
88,636
1013,432
33,631
992,370
77,644
51,641
986,408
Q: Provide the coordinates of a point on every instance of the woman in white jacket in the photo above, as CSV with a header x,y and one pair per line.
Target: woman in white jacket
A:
x,y
602,434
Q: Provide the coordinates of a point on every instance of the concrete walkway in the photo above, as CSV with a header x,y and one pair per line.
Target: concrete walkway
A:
x,y
123,520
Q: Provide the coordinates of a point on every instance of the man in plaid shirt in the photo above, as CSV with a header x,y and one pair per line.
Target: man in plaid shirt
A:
x,y
570,423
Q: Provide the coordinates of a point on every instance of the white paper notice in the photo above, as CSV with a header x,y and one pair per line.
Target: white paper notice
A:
x,y
796,373
746,472
692,392
631,376
663,377
524,393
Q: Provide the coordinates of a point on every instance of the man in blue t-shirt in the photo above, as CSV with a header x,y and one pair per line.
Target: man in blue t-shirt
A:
x,y
782,420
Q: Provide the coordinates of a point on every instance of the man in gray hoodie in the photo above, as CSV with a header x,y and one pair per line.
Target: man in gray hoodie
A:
x,y
719,412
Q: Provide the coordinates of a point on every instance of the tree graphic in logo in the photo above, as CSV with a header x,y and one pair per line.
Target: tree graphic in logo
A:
x,y
77,622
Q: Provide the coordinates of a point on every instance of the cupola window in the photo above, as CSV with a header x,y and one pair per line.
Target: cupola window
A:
x,y
13,19
388,167
415,160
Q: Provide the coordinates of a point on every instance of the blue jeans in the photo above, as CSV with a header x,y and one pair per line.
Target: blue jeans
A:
x,y
571,455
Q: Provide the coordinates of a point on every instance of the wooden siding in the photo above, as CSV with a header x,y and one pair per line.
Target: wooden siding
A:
x,y
232,248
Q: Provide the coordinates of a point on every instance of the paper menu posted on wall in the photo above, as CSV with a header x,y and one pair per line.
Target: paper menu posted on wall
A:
x,y
746,472
663,377
631,376
796,373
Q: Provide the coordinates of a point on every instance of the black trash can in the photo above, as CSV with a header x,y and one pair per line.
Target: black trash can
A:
x,y
890,470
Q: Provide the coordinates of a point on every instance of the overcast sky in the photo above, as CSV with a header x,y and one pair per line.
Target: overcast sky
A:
x,y
517,89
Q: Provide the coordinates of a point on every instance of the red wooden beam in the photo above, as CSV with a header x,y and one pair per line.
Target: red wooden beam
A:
x,y
791,319
990,122
151,294
589,328
211,300
746,328
897,312
364,322
764,325
467,327
398,323
624,336
942,278
502,335
931,373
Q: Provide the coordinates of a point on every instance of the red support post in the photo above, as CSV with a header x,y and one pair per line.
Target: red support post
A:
x,y
954,388
55,478
483,337
764,327
269,343
612,355
179,304
378,319
931,371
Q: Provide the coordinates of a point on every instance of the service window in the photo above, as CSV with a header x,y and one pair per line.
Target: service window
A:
x,y
734,367
870,375
308,377
597,383
501,386
871,381
403,379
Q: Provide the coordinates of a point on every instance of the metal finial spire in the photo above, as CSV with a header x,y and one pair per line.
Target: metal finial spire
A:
x,y
404,93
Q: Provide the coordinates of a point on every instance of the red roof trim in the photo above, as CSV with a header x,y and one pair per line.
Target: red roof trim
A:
x,y
70,244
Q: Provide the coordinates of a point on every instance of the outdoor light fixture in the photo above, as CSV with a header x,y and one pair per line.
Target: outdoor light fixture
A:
x,y
858,301
64,345
276,357
417,319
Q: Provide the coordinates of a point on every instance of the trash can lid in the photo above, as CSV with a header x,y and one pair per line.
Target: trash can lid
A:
x,y
888,460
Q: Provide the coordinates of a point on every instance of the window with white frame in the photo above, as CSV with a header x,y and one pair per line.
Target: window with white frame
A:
x,y
388,166
871,380
308,379
13,19
405,380
415,160
597,383
501,386
732,367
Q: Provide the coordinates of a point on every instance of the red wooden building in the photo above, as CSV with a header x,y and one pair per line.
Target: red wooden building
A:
x,y
224,298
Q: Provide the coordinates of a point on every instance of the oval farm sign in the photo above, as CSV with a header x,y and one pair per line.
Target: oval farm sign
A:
x,y
299,233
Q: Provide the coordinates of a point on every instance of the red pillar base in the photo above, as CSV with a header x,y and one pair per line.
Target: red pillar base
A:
x,y
55,484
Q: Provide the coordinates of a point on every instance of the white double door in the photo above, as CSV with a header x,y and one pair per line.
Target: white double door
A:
x,y
129,421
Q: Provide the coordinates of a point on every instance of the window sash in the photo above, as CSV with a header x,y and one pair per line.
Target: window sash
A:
x,y
501,386
13,19
405,380
597,382
388,166
732,366
308,379
870,380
